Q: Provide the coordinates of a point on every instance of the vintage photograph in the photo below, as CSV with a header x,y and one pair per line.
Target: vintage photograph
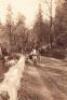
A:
x,y
33,49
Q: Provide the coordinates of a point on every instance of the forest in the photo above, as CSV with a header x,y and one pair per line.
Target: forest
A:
x,y
46,35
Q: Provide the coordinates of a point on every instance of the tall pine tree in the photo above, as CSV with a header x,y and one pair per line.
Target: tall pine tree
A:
x,y
40,29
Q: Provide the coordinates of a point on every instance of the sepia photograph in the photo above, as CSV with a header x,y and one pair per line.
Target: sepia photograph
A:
x,y
33,49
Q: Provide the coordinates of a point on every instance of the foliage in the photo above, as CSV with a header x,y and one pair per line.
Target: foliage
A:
x,y
61,19
40,29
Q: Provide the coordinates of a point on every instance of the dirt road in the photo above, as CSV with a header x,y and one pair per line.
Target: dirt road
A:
x,y
47,81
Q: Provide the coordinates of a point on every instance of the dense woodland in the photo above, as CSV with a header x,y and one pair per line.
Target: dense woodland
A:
x,y
50,34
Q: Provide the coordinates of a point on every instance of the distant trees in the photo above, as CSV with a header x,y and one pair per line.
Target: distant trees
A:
x,y
21,34
40,29
17,34
51,24
9,26
23,39
49,4
61,18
